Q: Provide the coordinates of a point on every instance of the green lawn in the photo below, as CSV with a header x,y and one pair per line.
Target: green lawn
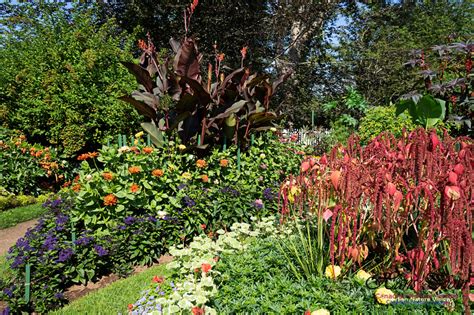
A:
x,y
114,298
14,216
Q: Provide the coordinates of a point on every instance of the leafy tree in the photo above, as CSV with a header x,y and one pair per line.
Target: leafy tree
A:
x,y
61,77
380,38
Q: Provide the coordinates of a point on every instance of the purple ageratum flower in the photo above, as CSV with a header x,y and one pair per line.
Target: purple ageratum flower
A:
x,y
129,220
8,292
59,295
189,202
61,219
181,186
50,242
152,219
258,204
122,227
85,240
65,254
6,311
269,194
100,250
23,244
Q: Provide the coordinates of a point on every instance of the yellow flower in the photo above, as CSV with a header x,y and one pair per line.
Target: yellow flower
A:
x,y
321,311
294,191
139,134
186,175
384,296
182,147
332,271
362,276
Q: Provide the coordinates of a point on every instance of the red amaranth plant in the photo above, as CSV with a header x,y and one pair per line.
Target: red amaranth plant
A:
x,y
408,202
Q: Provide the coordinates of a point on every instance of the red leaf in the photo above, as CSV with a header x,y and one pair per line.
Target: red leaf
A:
x,y
335,176
434,141
391,189
397,199
305,166
327,215
453,178
459,169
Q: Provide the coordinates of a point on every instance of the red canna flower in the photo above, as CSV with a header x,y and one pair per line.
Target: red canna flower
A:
x,y
130,307
307,312
243,52
203,226
206,268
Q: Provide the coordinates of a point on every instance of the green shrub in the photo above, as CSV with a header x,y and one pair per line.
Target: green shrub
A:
x,y
28,169
61,76
189,191
383,119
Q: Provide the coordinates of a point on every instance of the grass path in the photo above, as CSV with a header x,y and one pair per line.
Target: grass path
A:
x,y
12,217
114,298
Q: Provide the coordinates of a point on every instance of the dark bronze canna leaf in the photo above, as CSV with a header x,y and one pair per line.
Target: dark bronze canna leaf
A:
x,y
186,61
142,75
141,107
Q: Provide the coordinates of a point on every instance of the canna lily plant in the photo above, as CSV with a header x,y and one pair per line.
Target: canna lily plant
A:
x,y
174,97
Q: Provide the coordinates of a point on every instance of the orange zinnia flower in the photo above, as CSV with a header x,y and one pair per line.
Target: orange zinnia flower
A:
x,y
206,268
157,279
196,310
204,178
224,162
157,173
201,163
134,169
107,176
83,157
134,188
110,200
147,150
76,187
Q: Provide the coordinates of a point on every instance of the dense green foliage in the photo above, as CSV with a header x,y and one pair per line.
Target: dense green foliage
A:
x,y
259,281
383,119
29,169
61,76
131,204
379,41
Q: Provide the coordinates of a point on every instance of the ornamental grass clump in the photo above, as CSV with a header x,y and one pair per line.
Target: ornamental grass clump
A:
x,y
401,204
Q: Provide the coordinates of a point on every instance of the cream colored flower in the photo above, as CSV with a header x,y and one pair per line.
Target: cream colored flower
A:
x,y
362,276
332,272
162,214
139,134
171,143
273,129
124,149
321,311
384,295
182,147
187,175
262,156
